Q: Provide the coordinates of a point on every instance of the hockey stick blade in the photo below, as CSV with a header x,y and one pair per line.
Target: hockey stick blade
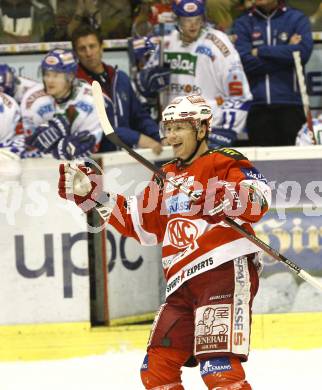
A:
x,y
113,137
100,108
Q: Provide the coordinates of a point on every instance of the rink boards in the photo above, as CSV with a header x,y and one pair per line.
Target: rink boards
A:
x,y
58,341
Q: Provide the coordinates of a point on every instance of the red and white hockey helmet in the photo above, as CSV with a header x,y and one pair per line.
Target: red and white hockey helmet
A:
x,y
192,108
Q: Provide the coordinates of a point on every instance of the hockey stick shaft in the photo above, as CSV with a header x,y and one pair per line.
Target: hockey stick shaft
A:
x,y
163,93
303,91
110,134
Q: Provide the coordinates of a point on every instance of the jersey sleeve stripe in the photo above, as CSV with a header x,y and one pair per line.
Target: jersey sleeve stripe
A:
x,y
145,237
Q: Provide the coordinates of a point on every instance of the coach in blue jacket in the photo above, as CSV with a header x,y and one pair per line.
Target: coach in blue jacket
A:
x,y
130,119
266,37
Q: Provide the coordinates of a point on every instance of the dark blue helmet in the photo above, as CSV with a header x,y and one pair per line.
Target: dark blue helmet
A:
x,y
7,79
60,60
188,7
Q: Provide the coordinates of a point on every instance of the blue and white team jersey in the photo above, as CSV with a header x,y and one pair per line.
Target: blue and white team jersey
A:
x,y
21,87
211,67
38,108
9,119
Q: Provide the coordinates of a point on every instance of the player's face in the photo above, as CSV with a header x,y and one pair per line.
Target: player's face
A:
x,y
181,135
190,27
89,52
57,84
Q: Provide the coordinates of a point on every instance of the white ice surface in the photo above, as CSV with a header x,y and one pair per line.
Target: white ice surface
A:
x,y
266,370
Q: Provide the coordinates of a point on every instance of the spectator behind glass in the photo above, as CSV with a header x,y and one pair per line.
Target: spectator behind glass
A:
x,y
111,17
24,21
201,59
266,38
130,120
153,17
312,9
219,12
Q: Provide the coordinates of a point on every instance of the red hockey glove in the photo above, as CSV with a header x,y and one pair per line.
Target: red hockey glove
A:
x,y
81,185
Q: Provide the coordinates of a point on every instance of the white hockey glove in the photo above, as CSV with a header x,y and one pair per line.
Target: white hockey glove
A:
x,y
81,185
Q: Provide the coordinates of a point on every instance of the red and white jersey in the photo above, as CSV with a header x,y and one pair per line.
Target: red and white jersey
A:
x,y
38,108
163,214
211,67
9,118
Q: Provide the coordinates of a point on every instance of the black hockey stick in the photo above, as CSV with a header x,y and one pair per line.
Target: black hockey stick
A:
x,y
113,137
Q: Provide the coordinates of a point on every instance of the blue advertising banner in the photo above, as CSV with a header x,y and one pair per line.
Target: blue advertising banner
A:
x,y
298,237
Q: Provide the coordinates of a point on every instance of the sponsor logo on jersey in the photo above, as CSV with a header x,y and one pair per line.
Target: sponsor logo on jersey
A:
x,y
182,232
178,204
219,43
235,81
213,329
184,88
253,173
256,34
145,363
36,95
199,266
212,366
241,299
205,50
171,260
45,109
83,106
220,297
235,86
181,63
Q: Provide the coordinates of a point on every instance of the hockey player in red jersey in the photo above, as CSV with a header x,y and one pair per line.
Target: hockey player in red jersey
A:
x,y
211,270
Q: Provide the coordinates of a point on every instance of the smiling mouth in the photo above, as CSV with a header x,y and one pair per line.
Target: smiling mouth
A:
x,y
176,146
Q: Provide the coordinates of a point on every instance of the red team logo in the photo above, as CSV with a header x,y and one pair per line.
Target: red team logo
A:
x,y
235,87
182,232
